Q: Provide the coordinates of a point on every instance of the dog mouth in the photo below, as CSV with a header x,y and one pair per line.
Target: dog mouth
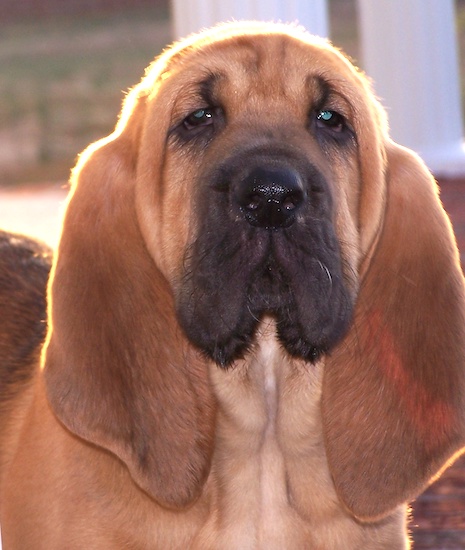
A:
x,y
270,295
220,312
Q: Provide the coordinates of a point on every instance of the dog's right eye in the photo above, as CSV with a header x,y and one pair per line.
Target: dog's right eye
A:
x,y
200,125
201,117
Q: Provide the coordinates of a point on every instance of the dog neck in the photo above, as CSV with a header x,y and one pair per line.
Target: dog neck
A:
x,y
275,454
270,486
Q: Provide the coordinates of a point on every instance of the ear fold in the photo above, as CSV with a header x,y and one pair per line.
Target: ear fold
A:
x,y
394,390
118,370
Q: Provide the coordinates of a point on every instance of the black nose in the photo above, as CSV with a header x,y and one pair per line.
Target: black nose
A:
x,y
270,197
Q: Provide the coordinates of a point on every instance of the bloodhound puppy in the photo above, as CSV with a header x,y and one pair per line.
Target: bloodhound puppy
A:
x,y
256,322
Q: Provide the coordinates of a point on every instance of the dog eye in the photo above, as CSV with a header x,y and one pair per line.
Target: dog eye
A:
x,y
330,119
201,117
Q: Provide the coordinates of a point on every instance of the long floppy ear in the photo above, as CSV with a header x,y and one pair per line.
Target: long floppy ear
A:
x,y
118,369
394,390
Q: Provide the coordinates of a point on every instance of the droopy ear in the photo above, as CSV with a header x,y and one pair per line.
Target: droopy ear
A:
x,y
118,370
394,390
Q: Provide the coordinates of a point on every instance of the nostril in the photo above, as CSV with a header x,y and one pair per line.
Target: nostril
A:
x,y
253,201
269,197
292,201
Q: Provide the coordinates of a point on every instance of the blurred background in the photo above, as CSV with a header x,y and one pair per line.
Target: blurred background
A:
x,y
66,64
64,67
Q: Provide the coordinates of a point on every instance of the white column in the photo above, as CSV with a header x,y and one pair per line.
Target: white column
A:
x,y
409,50
192,15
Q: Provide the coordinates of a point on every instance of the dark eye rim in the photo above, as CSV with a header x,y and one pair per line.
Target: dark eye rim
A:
x,y
194,126
336,122
208,116
336,130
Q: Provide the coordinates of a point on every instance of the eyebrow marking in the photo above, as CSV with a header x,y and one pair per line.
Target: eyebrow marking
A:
x,y
324,90
208,89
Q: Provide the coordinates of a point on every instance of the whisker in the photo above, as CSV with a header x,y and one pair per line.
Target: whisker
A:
x,y
252,314
328,273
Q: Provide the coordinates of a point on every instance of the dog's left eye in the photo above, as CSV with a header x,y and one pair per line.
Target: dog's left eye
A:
x,y
201,117
330,119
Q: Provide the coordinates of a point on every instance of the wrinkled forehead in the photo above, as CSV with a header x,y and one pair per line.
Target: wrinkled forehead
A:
x,y
265,62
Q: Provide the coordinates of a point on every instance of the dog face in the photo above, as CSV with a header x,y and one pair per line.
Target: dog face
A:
x,y
262,161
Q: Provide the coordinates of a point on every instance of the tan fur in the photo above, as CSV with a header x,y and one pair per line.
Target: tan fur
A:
x,y
129,437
